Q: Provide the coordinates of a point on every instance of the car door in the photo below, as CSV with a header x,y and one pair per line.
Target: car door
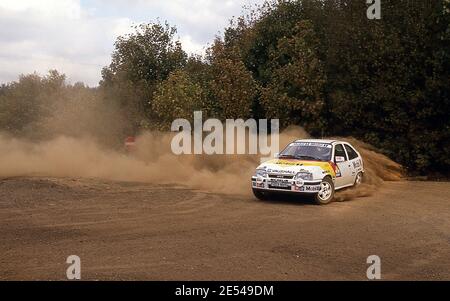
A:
x,y
354,159
344,172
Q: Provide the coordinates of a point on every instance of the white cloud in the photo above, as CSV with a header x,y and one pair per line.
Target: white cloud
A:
x,y
190,46
77,38
201,19
44,8
55,34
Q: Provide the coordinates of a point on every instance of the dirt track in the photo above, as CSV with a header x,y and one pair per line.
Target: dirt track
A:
x,y
139,231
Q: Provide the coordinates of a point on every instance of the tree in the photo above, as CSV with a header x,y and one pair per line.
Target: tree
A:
x,y
140,61
25,103
232,86
294,92
177,97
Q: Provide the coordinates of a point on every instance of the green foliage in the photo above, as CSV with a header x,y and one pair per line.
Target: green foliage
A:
x,y
320,64
26,102
294,92
232,86
325,66
176,97
41,107
140,61
148,54
387,81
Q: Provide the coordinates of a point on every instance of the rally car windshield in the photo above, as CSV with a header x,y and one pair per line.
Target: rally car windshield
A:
x,y
307,151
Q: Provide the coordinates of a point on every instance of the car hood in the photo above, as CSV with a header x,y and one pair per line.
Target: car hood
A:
x,y
293,166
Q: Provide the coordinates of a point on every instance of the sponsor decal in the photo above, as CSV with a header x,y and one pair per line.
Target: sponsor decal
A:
x,y
280,183
285,162
357,163
282,171
299,182
307,188
316,144
327,167
340,159
338,172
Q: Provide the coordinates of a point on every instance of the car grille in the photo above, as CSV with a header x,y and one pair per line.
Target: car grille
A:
x,y
289,177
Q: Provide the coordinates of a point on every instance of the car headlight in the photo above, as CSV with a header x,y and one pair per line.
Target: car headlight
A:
x,y
307,176
261,173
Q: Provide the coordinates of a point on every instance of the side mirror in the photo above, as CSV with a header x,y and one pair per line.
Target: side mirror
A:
x,y
339,159
276,155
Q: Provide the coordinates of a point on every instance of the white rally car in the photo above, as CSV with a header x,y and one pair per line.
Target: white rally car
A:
x,y
314,167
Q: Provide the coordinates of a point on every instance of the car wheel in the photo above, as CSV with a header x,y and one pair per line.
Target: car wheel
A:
x,y
259,194
358,179
326,192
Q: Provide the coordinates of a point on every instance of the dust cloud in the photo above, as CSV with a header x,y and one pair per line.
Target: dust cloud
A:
x,y
378,168
153,162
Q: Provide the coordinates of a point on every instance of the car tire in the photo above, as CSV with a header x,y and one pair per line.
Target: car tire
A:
x,y
358,179
259,194
326,193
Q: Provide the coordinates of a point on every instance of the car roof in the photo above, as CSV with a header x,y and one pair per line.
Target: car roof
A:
x,y
328,141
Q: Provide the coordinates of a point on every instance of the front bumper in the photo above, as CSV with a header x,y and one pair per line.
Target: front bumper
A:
x,y
285,185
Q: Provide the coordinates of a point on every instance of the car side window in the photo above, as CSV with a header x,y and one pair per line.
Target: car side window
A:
x,y
351,152
339,153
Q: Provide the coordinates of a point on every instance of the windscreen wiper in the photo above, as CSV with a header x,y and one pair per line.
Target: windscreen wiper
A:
x,y
308,158
287,156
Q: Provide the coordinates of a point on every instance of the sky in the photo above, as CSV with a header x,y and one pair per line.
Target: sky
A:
x,y
76,37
